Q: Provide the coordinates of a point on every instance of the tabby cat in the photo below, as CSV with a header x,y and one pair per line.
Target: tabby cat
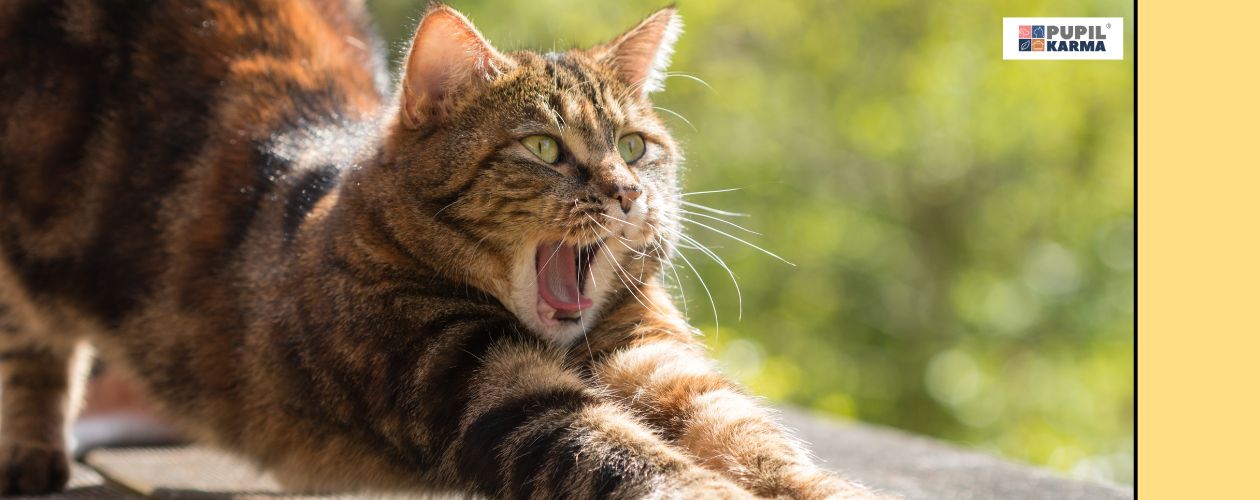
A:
x,y
448,287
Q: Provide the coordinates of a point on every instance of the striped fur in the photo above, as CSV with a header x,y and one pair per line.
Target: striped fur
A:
x,y
224,198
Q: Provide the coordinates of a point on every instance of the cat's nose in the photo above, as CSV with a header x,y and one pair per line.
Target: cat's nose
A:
x,y
625,194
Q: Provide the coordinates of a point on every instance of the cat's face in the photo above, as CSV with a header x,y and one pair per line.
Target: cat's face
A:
x,y
554,165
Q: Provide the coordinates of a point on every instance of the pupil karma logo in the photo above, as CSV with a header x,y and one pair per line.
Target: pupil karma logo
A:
x,y
1033,38
1063,38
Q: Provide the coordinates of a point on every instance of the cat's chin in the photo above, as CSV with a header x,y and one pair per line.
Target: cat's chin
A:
x,y
552,318
559,331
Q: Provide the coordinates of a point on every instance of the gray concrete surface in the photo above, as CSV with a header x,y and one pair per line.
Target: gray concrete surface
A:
x,y
915,467
893,462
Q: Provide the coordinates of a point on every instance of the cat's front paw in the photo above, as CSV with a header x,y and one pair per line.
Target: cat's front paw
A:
x,y
704,485
32,469
811,483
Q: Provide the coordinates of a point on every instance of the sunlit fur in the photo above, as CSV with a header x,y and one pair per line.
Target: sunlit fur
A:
x,y
335,280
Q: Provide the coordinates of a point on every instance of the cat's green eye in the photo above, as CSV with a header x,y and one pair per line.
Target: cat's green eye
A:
x,y
545,148
631,147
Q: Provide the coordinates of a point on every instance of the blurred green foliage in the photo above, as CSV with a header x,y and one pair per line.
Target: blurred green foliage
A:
x,y
962,226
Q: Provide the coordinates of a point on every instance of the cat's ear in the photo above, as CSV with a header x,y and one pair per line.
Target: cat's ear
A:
x,y
448,57
641,56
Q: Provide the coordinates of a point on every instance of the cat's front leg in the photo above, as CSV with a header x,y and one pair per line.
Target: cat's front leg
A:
x,y
37,380
535,429
659,369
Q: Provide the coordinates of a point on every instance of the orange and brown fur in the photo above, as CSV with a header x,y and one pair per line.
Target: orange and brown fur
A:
x,y
338,281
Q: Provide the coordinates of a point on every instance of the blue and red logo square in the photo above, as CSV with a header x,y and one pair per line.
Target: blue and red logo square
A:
x,y
1032,38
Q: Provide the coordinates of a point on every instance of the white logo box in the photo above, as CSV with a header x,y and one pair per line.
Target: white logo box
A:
x,y
1108,30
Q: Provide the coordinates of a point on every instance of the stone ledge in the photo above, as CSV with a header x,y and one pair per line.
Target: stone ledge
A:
x,y
891,461
916,467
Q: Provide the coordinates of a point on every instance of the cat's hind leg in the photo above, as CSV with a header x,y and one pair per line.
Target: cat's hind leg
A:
x,y
39,379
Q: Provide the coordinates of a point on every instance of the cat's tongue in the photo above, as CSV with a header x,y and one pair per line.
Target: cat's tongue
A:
x,y
558,278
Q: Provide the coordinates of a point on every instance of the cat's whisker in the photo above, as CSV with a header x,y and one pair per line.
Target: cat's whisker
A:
x,y
554,252
712,191
610,232
638,256
448,205
688,246
582,318
658,249
717,325
642,257
679,115
626,273
741,240
594,282
724,221
594,235
620,240
713,210
623,270
556,119
623,221
631,89
688,242
738,294
617,271
628,247
672,74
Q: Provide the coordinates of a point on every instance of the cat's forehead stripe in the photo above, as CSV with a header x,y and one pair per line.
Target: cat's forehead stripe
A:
x,y
580,99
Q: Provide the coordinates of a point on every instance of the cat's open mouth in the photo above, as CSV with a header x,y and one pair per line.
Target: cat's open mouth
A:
x,y
563,270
